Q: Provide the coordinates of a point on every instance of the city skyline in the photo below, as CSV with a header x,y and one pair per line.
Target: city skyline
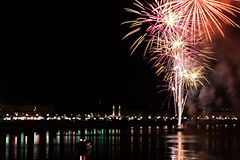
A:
x,y
73,59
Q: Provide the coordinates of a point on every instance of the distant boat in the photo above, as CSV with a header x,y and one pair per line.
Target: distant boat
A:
x,y
83,146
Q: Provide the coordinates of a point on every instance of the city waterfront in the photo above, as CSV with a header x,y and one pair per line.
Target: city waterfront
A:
x,y
147,142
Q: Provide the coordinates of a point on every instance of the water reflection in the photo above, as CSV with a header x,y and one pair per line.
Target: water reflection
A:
x,y
183,146
59,144
178,151
138,142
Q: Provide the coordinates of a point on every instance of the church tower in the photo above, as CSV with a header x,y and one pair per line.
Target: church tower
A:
x,y
119,111
113,113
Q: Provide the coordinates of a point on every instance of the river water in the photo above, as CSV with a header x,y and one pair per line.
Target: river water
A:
x,y
205,142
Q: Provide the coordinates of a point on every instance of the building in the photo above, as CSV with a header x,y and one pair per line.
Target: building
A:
x,y
27,109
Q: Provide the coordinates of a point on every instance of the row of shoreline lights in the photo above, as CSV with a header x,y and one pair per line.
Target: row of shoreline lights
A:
x,y
92,116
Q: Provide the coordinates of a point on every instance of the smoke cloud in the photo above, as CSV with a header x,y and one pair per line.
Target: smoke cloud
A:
x,y
223,92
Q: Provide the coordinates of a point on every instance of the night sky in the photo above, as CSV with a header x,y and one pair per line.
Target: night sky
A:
x,y
74,58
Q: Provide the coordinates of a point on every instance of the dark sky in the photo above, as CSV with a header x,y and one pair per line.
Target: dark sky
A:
x,y
73,58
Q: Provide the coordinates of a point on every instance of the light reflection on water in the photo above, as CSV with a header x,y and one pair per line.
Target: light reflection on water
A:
x,y
178,146
138,142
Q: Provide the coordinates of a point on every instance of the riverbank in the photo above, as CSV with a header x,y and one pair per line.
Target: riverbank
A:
x,y
44,124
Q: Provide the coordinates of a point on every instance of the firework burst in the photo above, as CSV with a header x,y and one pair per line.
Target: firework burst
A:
x,y
205,16
157,19
176,33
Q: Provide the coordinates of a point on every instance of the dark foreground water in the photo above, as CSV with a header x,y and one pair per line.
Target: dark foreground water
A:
x,y
207,142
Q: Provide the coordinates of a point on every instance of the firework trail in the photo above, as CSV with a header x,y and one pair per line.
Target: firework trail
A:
x,y
184,64
176,32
